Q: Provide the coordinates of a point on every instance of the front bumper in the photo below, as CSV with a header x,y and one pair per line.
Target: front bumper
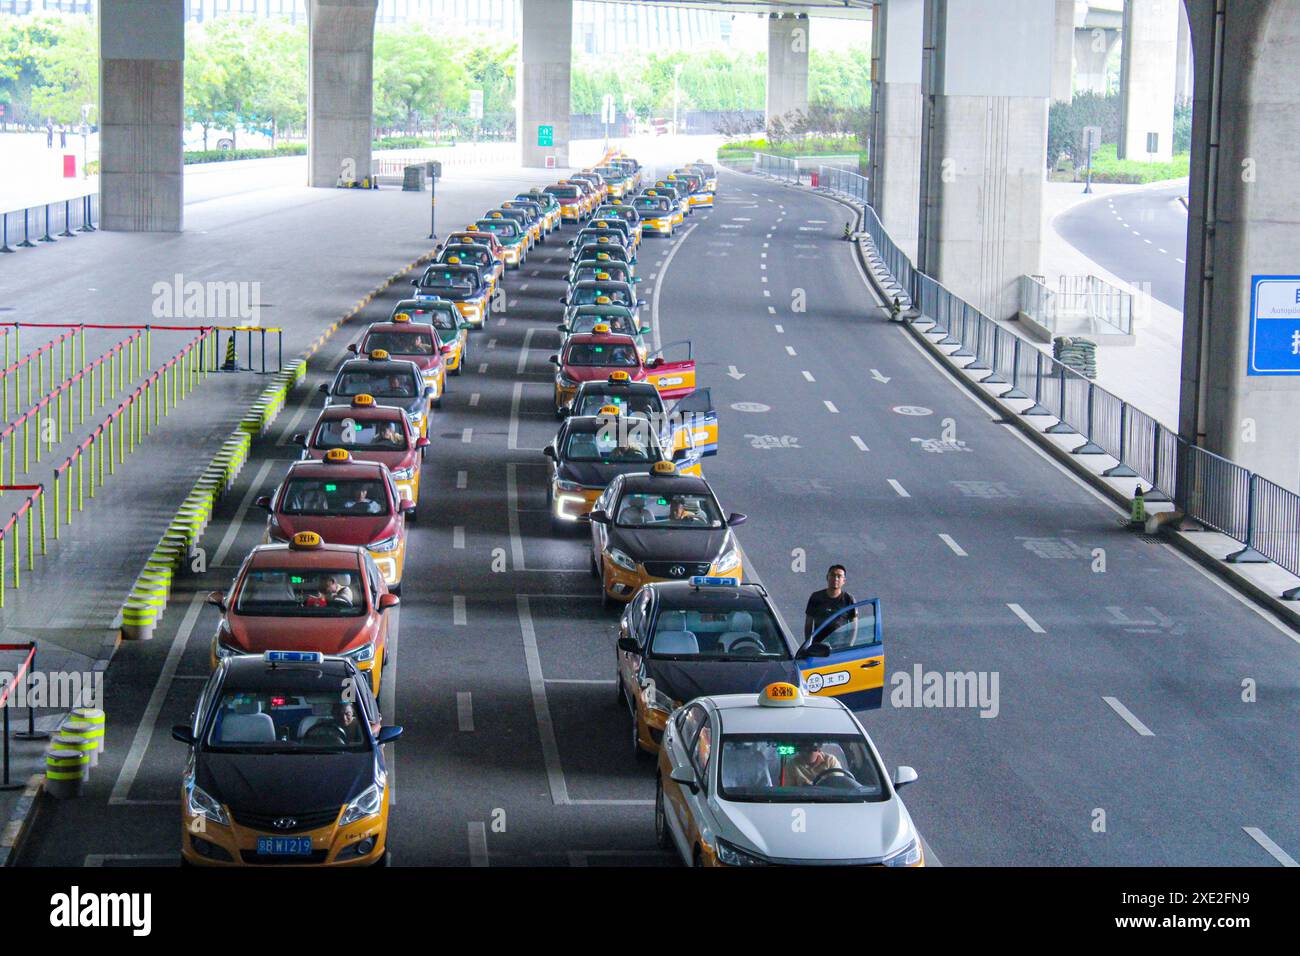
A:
x,y
621,584
568,505
471,312
571,212
662,226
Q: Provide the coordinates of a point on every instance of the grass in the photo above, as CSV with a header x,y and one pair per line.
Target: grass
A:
x,y
743,150
1107,168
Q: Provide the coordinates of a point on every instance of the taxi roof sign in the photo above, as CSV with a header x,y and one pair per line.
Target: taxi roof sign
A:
x,y
378,355
780,694
602,276
666,468
306,540
610,410
453,260
337,455
601,328
602,238
402,317
619,378
293,657
602,256
362,401
702,581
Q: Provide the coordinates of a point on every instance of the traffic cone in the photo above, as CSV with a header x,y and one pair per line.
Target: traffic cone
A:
x,y
848,231
1138,509
230,364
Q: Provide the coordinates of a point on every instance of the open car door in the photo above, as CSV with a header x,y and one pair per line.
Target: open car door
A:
x,y
693,423
674,379
855,669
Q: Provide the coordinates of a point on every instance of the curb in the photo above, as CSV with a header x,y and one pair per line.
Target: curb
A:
x,y
20,821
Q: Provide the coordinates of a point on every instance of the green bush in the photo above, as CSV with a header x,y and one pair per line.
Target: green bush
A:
x,y
1067,121
230,155
1183,128
1106,168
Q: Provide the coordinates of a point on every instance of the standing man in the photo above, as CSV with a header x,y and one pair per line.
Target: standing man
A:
x,y
49,132
63,136
823,604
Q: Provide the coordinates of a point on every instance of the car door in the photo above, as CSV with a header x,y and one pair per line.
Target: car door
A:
x,y
677,809
600,532
693,423
855,670
673,379
633,625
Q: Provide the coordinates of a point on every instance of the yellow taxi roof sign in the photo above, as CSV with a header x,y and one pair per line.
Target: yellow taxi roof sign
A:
x,y
602,256
780,694
664,468
601,329
602,276
471,228
306,540
603,299
609,410
495,215
601,224
453,260
337,455
651,192
617,377
402,317
362,401
602,238
378,355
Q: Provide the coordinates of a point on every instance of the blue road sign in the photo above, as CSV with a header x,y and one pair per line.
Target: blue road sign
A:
x,y
1274,325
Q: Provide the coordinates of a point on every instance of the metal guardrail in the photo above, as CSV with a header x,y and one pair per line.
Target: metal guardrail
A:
x,y
779,167
48,222
1080,303
1206,487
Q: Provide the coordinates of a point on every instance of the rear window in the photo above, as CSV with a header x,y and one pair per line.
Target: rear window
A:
x,y
564,192
379,383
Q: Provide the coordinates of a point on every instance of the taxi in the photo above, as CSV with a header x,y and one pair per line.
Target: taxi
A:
x,y
599,226
453,331
476,254
473,234
625,211
571,200
603,291
306,596
595,181
512,236
631,168
591,197
690,422
605,246
599,264
536,210
589,450
549,205
616,181
701,196
390,381
286,765
680,193
458,282
735,768
660,526
680,639
708,171
590,233
411,341
529,217
595,354
373,432
658,213
346,501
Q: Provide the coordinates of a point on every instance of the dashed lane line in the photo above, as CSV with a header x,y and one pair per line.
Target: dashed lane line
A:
x,y
956,548
902,492
1275,851
1029,622
465,711
1128,717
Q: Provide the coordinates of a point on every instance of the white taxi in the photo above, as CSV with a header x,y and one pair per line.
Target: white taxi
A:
x,y
779,778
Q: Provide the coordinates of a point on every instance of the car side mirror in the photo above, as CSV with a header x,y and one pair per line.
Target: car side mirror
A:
x,y
299,439
263,501
599,517
464,325
644,330
388,734
736,518
217,599
353,348
388,600
564,300
654,363
629,645
415,282
640,303
554,360
817,649
686,777
324,389
181,732
903,776
422,442
636,279
407,506
566,411
561,327
549,451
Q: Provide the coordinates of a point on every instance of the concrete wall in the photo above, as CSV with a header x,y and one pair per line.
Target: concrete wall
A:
x,y
141,112
787,65
1093,47
984,151
340,90
895,179
543,80
1063,53
1183,74
1150,54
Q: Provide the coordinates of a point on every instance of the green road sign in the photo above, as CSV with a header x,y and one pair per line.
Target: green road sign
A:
x,y
546,136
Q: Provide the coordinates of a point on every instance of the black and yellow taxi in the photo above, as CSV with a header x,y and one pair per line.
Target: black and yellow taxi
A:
x,y
599,226
458,282
307,595
391,381
625,211
512,236
442,314
602,262
603,289
689,422
708,171
658,212
660,526
616,180
286,765
374,432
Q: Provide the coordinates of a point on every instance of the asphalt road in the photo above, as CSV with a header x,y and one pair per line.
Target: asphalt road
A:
x,y
1139,236
1118,734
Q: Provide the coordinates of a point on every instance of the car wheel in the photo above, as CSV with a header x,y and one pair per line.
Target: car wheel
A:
x,y
437,402
594,567
424,453
459,365
413,515
696,859
663,839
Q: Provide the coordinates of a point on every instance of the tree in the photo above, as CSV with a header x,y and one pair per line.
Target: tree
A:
x,y
418,79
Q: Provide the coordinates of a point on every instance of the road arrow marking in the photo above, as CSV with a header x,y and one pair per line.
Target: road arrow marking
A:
x,y
875,373
733,372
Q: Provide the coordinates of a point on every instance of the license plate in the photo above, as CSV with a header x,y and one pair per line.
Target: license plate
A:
x,y
284,846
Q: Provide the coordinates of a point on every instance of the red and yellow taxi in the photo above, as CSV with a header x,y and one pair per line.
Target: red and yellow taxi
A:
x,y
346,501
411,341
453,331
596,354
573,206
372,432
591,195
306,595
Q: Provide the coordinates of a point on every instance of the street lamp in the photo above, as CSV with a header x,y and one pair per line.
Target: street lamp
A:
x,y
677,72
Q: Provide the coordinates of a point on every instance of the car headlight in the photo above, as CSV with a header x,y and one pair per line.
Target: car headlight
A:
x,y
367,804
222,651
732,855
565,381
561,485
384,545
201,804
655,699
621,559
366,652
729,560
909,855
415,417
403,474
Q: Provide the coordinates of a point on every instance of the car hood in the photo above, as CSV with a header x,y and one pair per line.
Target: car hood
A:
x,y
254,634
834,831
686,680
668,544
598,373
597,474
274,784
356,530
393,459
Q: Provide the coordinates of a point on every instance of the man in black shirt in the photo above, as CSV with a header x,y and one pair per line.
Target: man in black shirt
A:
x,y
823,604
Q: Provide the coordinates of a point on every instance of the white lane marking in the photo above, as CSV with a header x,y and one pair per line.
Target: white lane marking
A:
x,y
789,350
99,859
763,278
523,351
808,376
1164,252
512,517
524,287
766,244
458,537
512,303
767,294
857,440
763,265
816,222
458,609
465,710
779,328
741,219
483,366
956,548
228,539
144,731
1135,232
534,272
462,479
807,228
512,433
902,492
492,343
654,306
768,236
501,321
1275,851
1029,622
581,680
478,851
1147,241
541,709
771,310
1180,262
729,226
1128,717
830,407
467,435
473,399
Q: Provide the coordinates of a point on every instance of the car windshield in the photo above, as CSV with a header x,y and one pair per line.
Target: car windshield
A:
x,y
381,384
798,768
444,320
642,404
617,322
637,447
587,295
592,354
564,192
475,254
335,497
387,435
301,592
653,510
399,343
456,282
653,204
287,721
723,633
501,228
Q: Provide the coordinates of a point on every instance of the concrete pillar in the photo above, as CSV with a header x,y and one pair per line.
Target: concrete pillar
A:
x,y
787,65
1063,53
1243,221
987,75
1183,69
340,90
545,63
1147,79
141,112
1093,47
895,154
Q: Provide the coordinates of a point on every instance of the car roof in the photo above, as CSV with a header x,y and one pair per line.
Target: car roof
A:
x,y
401,328
620,338
252,672
608,387
435,304
325,556
356,468
641,482
742,714
594,423
377,411
683,594
404,366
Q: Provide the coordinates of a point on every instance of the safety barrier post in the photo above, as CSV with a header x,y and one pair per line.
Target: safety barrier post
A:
x,y
121,435
1248,554
81,476
56,504
91,443
1089,447
1060,428
112,464
2,575
47,237
67,487
1015,391
1122,470
41,498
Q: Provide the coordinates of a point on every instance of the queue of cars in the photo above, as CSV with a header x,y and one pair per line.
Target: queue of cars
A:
x,y
286,744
